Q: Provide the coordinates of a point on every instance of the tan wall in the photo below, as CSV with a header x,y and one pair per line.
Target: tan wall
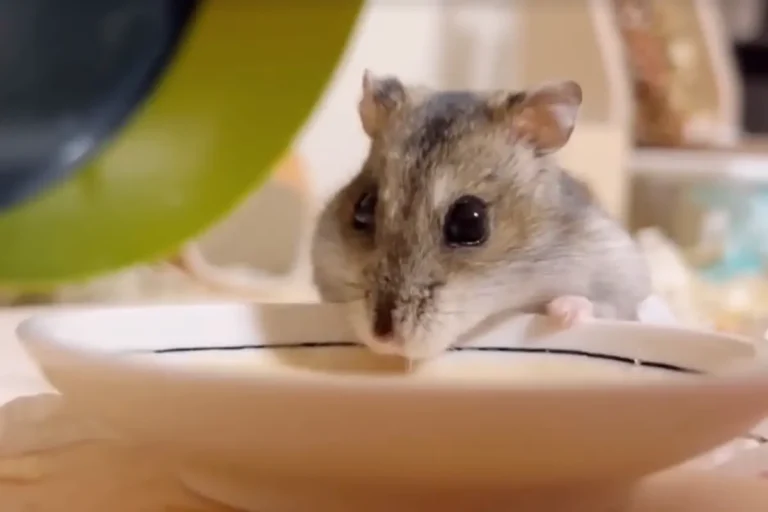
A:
x,y
561,41
569,42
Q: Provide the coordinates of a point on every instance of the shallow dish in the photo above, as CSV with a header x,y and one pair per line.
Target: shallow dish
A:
x,y
288,414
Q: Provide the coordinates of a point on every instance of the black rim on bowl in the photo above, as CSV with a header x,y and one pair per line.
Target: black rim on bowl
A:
x,y
501,349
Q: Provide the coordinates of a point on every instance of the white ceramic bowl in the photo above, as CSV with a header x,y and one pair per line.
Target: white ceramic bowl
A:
x,y
308,421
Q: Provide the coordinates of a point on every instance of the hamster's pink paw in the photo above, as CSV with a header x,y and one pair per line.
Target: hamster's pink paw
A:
x,y
569,310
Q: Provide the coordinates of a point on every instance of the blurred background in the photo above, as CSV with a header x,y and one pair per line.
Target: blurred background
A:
x,y
673,139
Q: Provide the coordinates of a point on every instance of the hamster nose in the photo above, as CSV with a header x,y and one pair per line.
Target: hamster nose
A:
x,y
383,325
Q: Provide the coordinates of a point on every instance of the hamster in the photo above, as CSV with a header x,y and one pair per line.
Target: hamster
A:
x,y
459,213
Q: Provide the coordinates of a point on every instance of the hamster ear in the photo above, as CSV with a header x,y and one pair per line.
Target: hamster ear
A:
x,y
544,116
381,97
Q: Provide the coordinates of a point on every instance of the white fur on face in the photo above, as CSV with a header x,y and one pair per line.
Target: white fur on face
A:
x,y
456,309
441,190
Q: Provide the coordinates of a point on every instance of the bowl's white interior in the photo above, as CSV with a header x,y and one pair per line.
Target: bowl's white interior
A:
x,y
158,327
140,331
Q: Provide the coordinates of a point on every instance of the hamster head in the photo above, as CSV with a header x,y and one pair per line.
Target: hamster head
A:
x,y
450,200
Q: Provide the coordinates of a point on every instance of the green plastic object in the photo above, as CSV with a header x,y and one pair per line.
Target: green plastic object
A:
x,y
243,82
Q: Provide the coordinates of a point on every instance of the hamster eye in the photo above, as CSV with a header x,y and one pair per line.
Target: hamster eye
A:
x,y
466,222
364,214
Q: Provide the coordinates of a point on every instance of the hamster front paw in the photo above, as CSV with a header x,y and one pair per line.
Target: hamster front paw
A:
x,y
569,310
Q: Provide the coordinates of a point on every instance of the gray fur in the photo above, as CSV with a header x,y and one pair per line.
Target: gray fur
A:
x,y
548,237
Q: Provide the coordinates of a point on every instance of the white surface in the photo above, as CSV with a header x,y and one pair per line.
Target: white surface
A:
x,y
19,375
655,311
713,163
50,456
